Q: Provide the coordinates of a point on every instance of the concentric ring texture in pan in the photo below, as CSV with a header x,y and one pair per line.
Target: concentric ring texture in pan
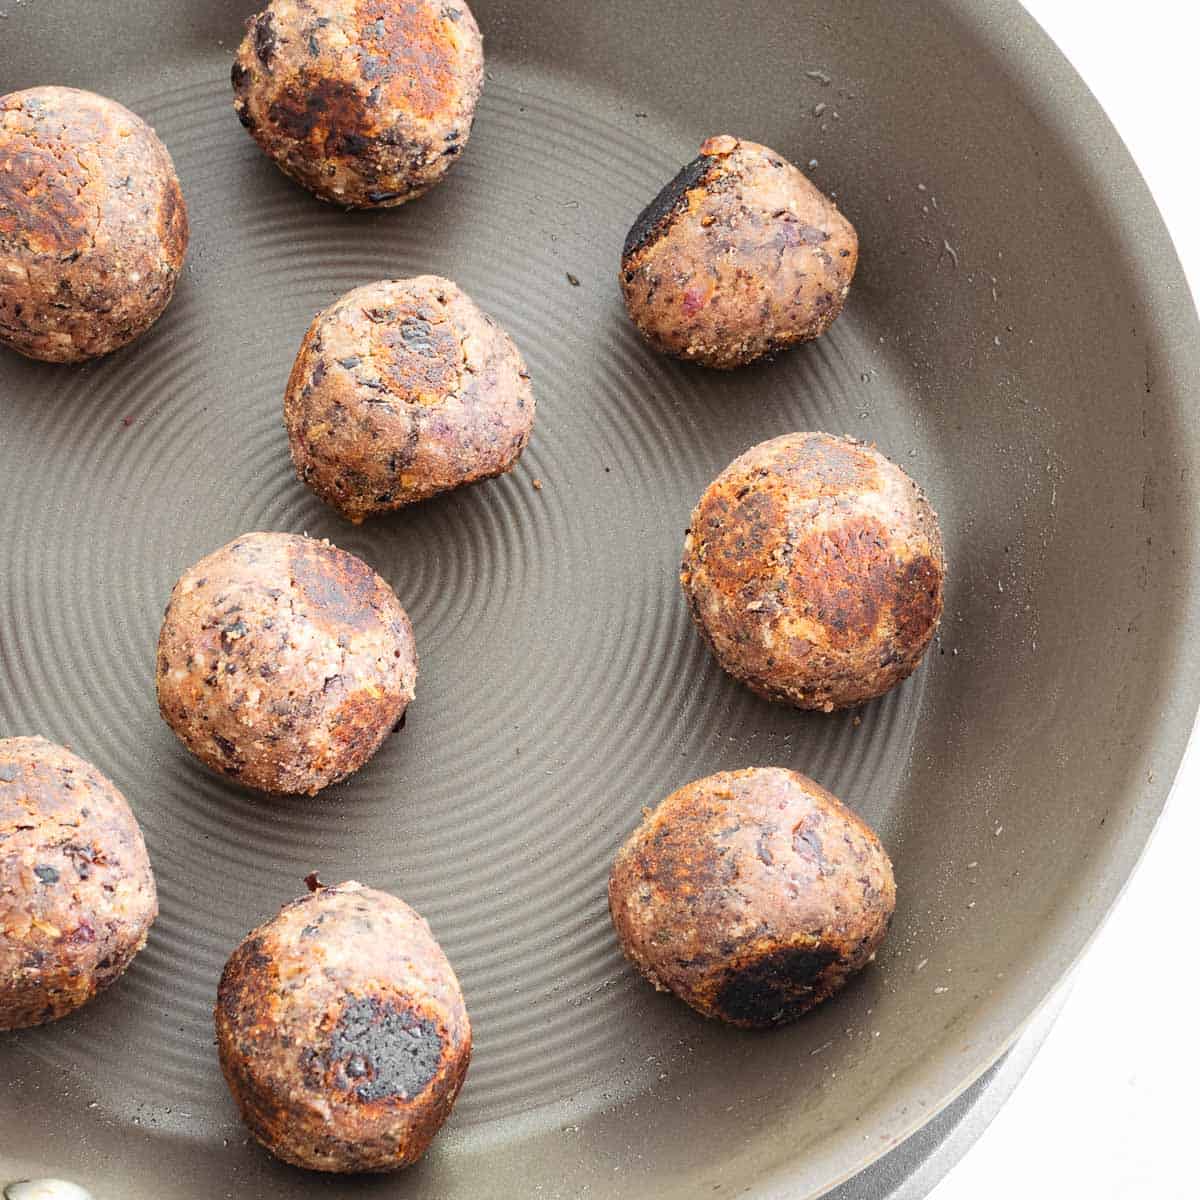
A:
x,y
1018,338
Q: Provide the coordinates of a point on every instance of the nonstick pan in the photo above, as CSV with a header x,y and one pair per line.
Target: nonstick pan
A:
x,y
1019,338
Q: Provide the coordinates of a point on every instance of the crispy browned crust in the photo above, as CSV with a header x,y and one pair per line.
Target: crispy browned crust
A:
x,y
284,662
93,228
403,389
342,1032
77,895
752,895
737,257
813,567
364,102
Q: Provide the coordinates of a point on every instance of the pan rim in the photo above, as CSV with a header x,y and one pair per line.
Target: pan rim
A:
x,y
1041,71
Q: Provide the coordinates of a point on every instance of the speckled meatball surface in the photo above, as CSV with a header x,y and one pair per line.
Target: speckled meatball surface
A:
x,y
737,257
93,228
366,103
403,389
77,895
284,662
342,1031
752,895
813,567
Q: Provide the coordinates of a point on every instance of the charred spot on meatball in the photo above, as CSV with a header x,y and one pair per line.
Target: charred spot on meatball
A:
x,y
93,227
77,894
814,569
358,100
738,257
403,389
655,219
793,930
284,662
342,1031
774,988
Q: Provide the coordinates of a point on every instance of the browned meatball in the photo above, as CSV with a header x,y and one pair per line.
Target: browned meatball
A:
x,y
93,228
342,1031
77,895
813,567
403,389
752,895
737,257
284,662
364,102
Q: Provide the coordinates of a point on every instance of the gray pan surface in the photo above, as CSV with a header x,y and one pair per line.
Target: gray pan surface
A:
x,y
1019,338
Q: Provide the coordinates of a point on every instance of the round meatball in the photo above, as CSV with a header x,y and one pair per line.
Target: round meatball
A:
x,y
284,662
813,567
364,102
77,895
752,895
342,1031
93,228
737,257
403,389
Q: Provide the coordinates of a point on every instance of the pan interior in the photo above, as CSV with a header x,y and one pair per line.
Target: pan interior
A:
x,y
1030,390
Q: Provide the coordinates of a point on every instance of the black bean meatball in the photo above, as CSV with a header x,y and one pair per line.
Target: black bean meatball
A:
x,y
403,389
93,228
752,895
364,102
737,257
77,895
813,567
284,662
342,1031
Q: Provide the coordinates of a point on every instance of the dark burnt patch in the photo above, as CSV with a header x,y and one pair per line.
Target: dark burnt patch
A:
x,y
340,587
382,1049
245,982
918,603
40,197
844,579
775,988
321,109
265,38
657,217
741,529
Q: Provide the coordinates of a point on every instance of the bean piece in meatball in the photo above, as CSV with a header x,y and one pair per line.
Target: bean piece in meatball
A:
x,y
342,1031
93,228
364,102
752,895
284,662
77,895
813,567
403,389
737,257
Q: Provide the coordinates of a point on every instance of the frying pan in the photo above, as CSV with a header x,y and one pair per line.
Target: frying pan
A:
x,y
1019,338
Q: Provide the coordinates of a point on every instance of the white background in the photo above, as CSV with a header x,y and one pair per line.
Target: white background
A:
x,y
1110,1109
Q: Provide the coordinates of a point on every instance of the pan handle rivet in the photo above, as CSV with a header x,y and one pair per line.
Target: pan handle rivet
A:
x,y
45,1189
